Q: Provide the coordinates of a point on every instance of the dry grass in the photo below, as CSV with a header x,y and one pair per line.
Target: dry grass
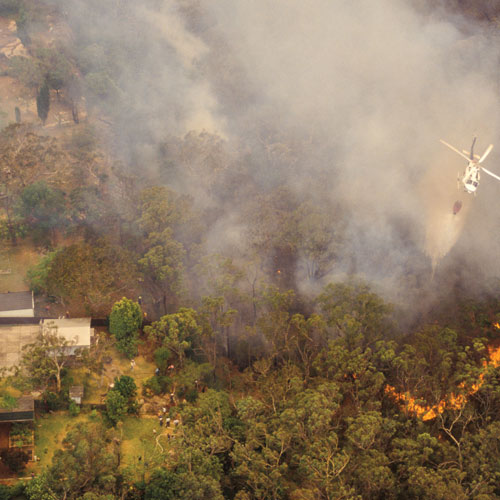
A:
x,y
120,365
18,260
96,385
142,370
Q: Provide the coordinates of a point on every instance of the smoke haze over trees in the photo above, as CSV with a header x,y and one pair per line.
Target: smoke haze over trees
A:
x,y
335,105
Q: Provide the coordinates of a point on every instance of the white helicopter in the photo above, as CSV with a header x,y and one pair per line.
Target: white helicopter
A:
x,y
471,176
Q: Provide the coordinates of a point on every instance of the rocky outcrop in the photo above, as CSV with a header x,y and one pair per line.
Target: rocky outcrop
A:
x,y
12,45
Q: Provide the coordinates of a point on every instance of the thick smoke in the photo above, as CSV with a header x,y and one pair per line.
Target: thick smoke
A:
x,y
342,102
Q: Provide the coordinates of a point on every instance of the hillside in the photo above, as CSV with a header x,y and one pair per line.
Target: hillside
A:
x,y
253,205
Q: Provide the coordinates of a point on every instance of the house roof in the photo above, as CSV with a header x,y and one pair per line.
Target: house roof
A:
x,y
16,301
25,410
74,330
76,391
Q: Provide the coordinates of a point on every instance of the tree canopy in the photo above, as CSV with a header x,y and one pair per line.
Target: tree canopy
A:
x,y
125,321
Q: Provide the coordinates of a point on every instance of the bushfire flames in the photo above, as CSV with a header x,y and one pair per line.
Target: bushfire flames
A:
x,y
453,401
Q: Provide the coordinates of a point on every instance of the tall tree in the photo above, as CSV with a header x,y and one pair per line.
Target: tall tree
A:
x,y
90,278
40,488
216,320
55,65
45,359
318,238
175,331
125,321
87,463
43,209
165,219
43,102
355,313
223,302
121,399
163,267
27,70
116,407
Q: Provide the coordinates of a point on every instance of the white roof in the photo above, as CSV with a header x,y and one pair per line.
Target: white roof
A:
x,y
75,330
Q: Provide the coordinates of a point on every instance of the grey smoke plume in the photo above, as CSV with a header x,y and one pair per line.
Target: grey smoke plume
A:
x,y
343,102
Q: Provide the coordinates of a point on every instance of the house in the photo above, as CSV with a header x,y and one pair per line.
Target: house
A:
x,y
76,331
16,429
17,305
76,393
23,412
15,333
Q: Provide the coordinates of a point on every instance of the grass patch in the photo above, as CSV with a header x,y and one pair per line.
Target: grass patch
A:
x,y
142,371
18,260
49,433
120,365
96,385
137,440
142,449
7,389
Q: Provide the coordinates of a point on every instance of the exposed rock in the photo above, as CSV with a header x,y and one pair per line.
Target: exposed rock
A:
x,y
11,45
14,48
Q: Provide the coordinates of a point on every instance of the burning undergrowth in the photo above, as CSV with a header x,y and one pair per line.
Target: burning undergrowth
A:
x,y
453,401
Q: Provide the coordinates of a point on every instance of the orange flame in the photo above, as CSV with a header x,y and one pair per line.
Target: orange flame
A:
x,y
453,402
497,325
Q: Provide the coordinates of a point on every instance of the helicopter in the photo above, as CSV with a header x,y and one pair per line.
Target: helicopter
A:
x,y
471,176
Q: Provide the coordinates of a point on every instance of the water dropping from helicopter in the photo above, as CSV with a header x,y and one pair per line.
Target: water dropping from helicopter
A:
x,y
444,225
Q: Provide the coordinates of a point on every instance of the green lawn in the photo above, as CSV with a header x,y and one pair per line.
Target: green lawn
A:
x,y
137,436
49,433
142,449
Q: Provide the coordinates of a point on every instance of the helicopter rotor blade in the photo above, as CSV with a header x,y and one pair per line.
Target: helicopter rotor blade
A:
x,y
454,149
465,152
486,153
491,173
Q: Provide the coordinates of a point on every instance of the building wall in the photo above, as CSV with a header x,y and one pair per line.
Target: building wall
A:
x,y
14,337
4,435
21,313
